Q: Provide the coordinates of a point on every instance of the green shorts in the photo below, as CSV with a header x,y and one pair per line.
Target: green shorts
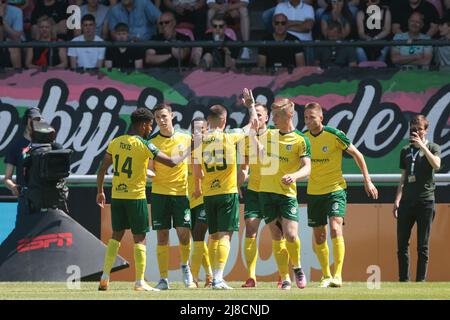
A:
x,y
251,208
223,212
130,214
168,208
276,205
320,207
198,215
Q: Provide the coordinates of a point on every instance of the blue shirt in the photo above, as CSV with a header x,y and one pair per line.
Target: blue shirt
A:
x,y
141,20
14,18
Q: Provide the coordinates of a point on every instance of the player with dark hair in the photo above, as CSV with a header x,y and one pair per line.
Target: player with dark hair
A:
x,y
129,156
170,202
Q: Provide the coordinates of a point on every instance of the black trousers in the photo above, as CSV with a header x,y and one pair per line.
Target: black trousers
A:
x,y
420,212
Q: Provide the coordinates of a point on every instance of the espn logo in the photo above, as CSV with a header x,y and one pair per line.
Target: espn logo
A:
x,y
45,241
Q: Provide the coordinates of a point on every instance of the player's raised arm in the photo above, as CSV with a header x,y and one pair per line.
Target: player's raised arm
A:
x,y
369,187
107,161
249,102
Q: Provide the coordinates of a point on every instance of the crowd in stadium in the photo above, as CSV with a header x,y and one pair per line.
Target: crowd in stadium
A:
x,y
219,20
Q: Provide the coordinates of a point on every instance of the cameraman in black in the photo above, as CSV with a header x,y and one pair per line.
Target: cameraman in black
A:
x,y
414,202
45,167
15,157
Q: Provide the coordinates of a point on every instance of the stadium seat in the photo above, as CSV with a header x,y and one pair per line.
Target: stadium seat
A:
x,y
372,64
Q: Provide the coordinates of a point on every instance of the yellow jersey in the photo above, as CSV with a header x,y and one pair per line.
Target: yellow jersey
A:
x,y
254,163
326,161
218,159
282,156
171,181
193,202
130,156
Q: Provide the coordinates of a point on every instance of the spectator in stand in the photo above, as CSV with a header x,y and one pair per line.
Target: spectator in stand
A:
x,y
300,23
219,57
123,58
190,11
55,10
87,58
442,54
369,33
402,10
11,21
337,11
278,57
232,9
100,12
141,17
166,56
412,55
322,5
335,56
37,57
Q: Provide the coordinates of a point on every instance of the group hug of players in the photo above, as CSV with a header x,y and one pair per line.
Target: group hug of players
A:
x,y
196,179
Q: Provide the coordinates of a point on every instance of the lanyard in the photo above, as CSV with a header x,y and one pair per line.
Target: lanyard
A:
x,y
413,160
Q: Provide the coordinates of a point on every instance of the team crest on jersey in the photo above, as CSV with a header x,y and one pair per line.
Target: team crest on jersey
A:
x,y
325,149
289,147
335,206
215,184
122,188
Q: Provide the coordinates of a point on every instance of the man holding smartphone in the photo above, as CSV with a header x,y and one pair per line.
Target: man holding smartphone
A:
x,y
414,202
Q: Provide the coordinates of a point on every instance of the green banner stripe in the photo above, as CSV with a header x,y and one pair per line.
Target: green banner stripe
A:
x,y
402,81
145,81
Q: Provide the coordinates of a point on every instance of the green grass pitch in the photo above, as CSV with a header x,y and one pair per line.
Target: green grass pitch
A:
x,y
264,291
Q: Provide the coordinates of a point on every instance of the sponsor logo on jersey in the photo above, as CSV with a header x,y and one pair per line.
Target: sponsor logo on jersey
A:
x,y
215,184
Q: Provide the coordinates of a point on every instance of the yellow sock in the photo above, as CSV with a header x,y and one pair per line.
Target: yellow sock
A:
x,y
196,258
323,255
163,260
185,252
205,261
212,249
338,255
140,259
294,252
223,250
111,252
281,258
251,256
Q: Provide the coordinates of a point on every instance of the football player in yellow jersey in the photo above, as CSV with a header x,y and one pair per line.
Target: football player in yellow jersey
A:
x,y
169,198
200,255
252,213
129,156
287,159
217,160
326,191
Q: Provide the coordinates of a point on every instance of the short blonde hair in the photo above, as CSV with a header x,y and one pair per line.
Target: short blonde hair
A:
x,y
283,104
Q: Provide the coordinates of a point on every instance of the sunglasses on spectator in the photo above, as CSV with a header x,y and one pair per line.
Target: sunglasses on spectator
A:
x,y
218,26
163,23
280,23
